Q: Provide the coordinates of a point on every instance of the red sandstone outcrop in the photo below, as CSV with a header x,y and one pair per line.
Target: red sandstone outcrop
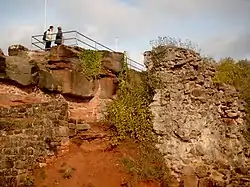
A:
x,y
58,71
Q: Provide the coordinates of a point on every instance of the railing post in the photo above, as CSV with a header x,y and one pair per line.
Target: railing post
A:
x,y
125,59
31,41
125,56
76,38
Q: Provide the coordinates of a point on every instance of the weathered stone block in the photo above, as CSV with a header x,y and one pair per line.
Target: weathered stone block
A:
x,y
12,172
19,70
63,131
17,50
82,127
202,171
205,182
8,164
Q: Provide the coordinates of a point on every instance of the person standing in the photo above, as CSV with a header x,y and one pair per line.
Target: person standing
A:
x,y
48,37
59,36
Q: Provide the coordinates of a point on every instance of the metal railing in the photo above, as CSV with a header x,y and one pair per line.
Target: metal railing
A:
x,y
74,38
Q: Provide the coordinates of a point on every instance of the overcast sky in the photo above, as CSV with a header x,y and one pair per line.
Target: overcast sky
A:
x,y
219,27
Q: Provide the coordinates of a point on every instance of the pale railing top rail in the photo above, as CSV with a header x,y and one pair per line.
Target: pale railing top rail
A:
x,y
74,38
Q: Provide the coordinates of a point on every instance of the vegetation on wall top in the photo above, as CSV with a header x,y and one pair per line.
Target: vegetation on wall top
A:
x,y
174,42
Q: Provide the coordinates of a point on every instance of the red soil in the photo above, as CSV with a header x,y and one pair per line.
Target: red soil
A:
x,y
94,166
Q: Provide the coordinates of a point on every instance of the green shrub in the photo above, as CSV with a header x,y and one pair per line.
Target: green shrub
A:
x,y
91,63
229,72
131,119
237,74
149,166
129,114
29,181
67,173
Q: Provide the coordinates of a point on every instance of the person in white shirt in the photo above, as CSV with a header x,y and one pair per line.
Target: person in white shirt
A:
x,y
48,37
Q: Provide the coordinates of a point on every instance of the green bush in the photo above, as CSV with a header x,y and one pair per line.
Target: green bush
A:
x,y
230,72
131,119
29,181
91,63
237,74
129,114
149,166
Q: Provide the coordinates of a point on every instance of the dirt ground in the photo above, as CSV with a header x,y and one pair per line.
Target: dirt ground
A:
x,y
88,165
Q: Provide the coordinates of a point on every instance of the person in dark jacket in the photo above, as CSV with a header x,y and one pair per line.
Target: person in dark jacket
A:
x,y
59,36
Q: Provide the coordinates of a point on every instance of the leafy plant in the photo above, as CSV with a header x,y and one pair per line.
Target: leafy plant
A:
x,y
129,114
67,173
149,166
131,119
237,74
43,174
91,63
29,181
229,72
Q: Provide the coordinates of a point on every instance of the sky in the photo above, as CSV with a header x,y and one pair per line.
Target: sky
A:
x,y
221,28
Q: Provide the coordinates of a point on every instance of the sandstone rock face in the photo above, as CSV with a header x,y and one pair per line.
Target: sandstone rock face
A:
x,y
67,82
112,61
17,50
58,70
199,124
19,70
63,53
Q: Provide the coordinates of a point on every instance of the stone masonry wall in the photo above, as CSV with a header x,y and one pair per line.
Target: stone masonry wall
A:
x,y
29,134
199,124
